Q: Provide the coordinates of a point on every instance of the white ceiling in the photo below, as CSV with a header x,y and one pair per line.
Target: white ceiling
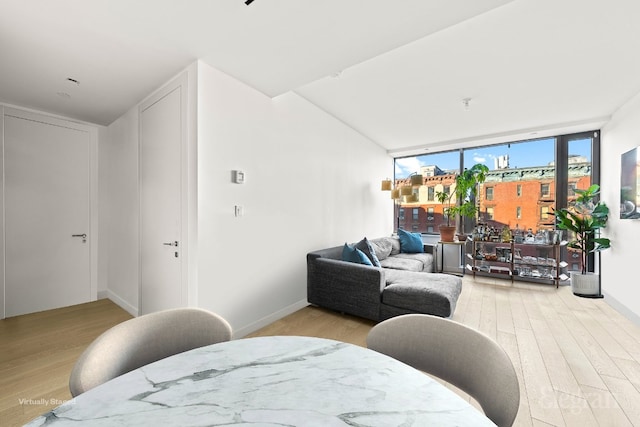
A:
x,y
396,71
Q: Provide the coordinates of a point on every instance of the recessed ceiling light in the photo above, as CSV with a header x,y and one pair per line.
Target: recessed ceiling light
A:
x,y
74,81
63,95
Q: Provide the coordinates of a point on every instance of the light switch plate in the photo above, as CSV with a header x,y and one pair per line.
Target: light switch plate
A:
x,y
238,177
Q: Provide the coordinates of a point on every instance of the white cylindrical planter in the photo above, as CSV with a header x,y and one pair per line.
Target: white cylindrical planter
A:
x,y
585,284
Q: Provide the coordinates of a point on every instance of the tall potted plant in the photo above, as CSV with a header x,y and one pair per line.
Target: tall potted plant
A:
x,y
464,196
585,218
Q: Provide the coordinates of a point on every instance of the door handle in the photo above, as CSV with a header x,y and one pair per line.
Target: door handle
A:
x,y
174,243
83,236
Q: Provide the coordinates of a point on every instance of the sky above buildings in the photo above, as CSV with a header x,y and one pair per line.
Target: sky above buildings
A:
x,y
539,152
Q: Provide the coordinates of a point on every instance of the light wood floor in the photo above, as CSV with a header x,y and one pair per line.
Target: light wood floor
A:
x,y
578,360
37,352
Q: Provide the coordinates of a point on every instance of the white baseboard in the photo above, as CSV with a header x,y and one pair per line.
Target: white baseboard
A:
x,y
244,331
622,309
238,333
120,302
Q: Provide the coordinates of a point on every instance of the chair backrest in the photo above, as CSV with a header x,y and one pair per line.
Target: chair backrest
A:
x,y
143,340
461,356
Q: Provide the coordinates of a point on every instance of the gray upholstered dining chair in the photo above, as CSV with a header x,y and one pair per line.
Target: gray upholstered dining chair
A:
x,y
461,356
143,340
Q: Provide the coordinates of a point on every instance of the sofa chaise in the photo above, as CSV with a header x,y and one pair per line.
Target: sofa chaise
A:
x,y
403,283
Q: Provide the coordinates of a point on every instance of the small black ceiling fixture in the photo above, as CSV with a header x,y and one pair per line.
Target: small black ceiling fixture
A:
x,y
248,2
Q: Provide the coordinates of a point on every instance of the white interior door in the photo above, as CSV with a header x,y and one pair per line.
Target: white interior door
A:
x,y
47,218
161,125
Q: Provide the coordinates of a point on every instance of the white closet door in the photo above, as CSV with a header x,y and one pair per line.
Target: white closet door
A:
x,y
161,245
47,259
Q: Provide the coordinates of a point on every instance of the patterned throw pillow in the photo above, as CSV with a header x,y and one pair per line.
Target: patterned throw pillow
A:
x,y
365,246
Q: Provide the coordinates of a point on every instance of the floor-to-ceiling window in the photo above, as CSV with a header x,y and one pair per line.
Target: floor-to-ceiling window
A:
x,y
518,192
578,154
527,180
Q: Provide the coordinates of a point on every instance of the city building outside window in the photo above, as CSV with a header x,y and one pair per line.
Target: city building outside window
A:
x,y
518,190
518,212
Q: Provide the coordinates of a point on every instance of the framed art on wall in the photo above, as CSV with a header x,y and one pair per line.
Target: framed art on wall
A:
x,y
630,185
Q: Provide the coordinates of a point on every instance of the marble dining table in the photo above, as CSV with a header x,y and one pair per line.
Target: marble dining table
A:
x,y
270,381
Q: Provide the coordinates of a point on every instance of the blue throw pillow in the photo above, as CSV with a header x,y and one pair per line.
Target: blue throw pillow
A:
x,y
353,254
365,246
410,243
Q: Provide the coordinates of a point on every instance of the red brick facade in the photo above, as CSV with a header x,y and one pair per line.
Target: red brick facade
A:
x,y
512,197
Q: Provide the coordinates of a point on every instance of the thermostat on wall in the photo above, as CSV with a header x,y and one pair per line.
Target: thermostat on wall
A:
x,y
238,177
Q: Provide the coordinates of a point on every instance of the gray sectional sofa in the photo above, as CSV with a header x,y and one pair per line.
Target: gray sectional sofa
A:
x,y
404,283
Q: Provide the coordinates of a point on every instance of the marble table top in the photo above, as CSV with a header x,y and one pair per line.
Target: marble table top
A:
x,y
270,381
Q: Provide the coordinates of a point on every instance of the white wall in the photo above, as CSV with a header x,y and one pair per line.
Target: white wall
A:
x,y
2,287
620,283
119,210
120,206
311,182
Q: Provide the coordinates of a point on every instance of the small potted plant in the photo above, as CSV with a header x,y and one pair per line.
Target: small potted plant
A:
x,y
585,218
464,196
447,231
